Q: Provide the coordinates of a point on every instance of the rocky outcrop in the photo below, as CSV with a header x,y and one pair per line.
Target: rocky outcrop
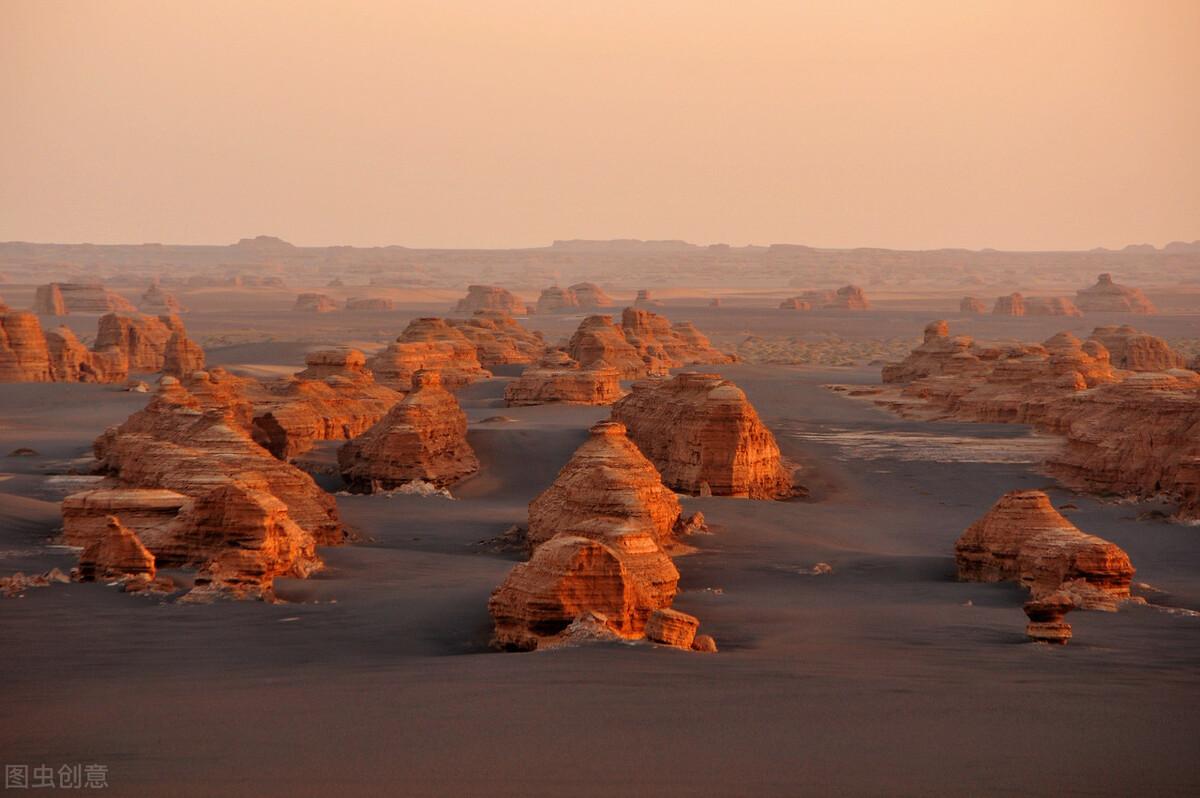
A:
x,y
591,296
972,305
558,378
428,344
557,300
499,339
644,301
645,344
182,355
1011,305
704,437
1137,351
157,301
1024,539
24,355
607,488
315,303
334,398
370,304
59,299
423,437
795,303
1046,624
116,553
149,512
142,339
1050,306
848,297
1109,297
489,297
672,628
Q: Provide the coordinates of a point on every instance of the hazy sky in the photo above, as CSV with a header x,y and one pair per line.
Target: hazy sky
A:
x,y
908,124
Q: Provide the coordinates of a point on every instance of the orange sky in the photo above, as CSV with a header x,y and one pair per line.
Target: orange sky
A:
x,y
911,124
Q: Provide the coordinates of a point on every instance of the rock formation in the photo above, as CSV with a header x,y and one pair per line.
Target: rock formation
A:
x,y
644,301
24,356
672,628
499,339
558,378
489,297
645,344
59,299
157,301
598,342
972,305
315,303
116,553
848,297
1024,539
370,304
1109,297
428,344
591,296
1137,351
182,355
1011,305
149,512
704,437
143,339
795,303
424,436
1046,624
1050,306
557,300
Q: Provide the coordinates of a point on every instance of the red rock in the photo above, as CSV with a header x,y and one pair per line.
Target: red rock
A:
x,y
157,301
1109,297
1050,306
489,297
116,554
702,433
428,344
59,299
48,300
795,303
644,301
672,628
1046,624
705,644
182,355
598,343
1011,305
423,437
142,339
970,304
370,304
24,356
849,297
591,296
558,378
315,303
1024,539
1137,351
557,300
499,339
148,512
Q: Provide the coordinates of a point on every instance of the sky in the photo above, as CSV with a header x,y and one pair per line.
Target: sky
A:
x,y
911,124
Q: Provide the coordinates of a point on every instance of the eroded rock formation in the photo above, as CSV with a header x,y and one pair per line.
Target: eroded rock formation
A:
x,y
370,303
972,305
848,297
558,378
1011,305
795,303
557,300
645,344
1050,306
423,437
59,299
157,301
489,297
315,303
1046,624
1137,351
705,437
599,342
116,553
1024,539
1109,297
428,344
499,339
24,355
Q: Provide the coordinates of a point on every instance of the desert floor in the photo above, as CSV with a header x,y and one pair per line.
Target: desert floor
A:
x,y
885,677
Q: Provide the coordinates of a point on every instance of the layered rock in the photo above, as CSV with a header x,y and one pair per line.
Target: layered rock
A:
x,y
423,437
1109,297
645,344
182,355
116,553
972,305
598,342
705,437
848,297
428,344
672,628
334,398
1050,306
1011,305
1137,351
157,301
370,304
645,301
149,512
557,300
559,379
1046,624
489,297
499,339
1024,539
24,355
315,303
59,299
143,339
795,303
591,296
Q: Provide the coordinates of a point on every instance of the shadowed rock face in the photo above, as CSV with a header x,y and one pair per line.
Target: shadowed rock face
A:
x,y
558,378
1107,296
1011,305
424,436
315,303
428,344
489,297
1046,624
59,299
1024,539
115,553
704,436
24,356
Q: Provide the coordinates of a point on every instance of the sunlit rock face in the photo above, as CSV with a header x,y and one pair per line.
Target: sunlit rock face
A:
x,y
1107,296
559,379
489,297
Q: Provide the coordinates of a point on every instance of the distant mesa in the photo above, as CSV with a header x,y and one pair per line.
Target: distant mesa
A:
x,y
705,437
1011,305
315,303
848,297
795,303
972,305
490,297
644,300
1107,296
370,304
59,299
1050,306
581,296
264,243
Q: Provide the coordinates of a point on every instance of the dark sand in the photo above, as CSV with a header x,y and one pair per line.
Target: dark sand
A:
x,y
885,677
